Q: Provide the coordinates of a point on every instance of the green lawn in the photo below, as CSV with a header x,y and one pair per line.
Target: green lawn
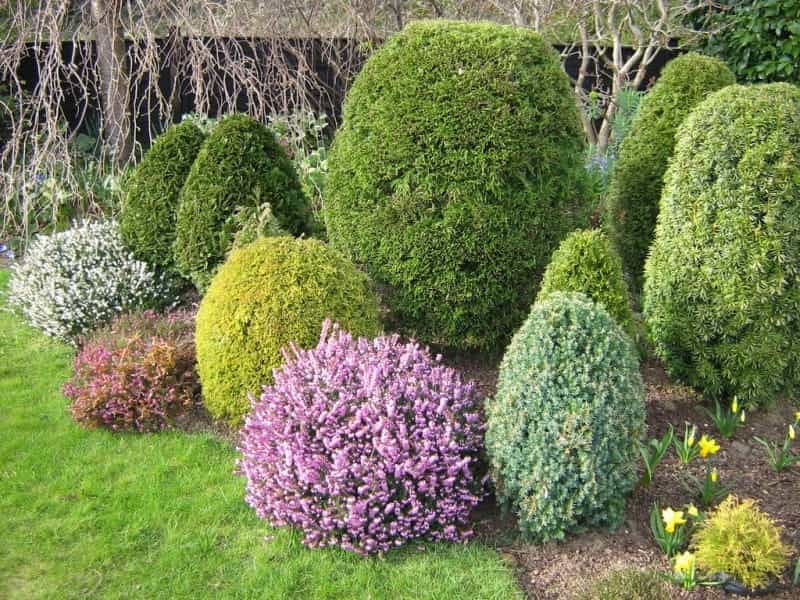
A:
x,y
87,514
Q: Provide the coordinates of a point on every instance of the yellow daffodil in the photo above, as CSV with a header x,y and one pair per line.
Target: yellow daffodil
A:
x,y
792,434
684,563
708,446
742,417
797,416
735,405
692,510
672,518
714,475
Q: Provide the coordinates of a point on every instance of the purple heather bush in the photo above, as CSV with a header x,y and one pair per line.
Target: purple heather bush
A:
x,y
364,444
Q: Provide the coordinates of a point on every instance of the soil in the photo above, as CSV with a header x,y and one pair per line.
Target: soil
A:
x,y
559,570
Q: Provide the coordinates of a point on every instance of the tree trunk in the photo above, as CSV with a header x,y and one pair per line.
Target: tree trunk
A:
x,y
112,63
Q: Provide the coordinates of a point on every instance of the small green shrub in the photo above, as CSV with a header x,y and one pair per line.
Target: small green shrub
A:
x,y
585,262
629,584
240,165
456,172
563,426
637,179
722,287
741,541
150,204
273,292
255,222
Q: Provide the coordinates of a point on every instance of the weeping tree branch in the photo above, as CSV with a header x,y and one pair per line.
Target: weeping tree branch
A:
x,y
233,55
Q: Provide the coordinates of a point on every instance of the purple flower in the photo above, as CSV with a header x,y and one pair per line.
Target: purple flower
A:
x,y
364,444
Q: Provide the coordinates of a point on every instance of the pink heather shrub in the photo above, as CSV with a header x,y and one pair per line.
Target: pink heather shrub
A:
x,y
137,373
364,444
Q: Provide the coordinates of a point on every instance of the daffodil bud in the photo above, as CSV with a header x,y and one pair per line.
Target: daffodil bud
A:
x,y
735,405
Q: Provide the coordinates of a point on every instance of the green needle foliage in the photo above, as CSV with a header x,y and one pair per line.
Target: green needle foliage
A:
x,y
637,180
722,284
240,165
741,541
585,262
273,292
149,209
563,428
457,171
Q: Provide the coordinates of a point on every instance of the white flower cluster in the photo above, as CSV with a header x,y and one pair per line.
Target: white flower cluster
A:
x,y
73,281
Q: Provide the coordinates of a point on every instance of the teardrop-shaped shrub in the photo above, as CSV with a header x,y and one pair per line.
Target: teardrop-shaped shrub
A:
x,y
585,262
639,171
150,206
562,429
240,165
722,283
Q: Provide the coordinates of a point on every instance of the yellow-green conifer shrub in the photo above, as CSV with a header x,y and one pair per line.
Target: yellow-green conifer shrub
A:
x,y
741,541
273,292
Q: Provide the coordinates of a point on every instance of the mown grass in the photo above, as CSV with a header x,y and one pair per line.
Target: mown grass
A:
x,y
88,514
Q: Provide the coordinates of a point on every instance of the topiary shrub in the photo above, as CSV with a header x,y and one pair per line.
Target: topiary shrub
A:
x,y
151,197
722,294
364,444
563,426
74,281
276,291
740,541
138,373
585,262
455,174
637,179
240,165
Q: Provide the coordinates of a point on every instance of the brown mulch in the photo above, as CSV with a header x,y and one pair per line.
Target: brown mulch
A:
x,y
563,569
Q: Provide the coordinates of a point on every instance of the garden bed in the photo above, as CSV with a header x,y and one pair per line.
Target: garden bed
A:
x,y
557,570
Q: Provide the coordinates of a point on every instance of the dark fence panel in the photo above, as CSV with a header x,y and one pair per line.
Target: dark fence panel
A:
x,y
81,110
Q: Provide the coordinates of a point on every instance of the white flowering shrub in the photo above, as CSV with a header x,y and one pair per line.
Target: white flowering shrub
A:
x,y
73,281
